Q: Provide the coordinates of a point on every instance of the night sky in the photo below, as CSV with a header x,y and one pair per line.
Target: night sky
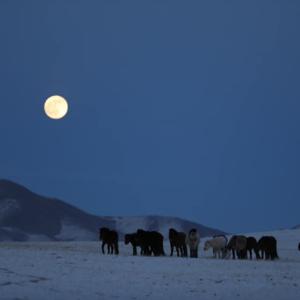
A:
x,y
181,108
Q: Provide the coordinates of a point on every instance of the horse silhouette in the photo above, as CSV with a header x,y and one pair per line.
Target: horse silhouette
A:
x,y
238,246
133,239
252,245
177,241
151,242
109,238
267,245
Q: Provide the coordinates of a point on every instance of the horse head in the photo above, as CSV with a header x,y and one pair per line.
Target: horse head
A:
x,y
103,233
193,230
172,232
207,245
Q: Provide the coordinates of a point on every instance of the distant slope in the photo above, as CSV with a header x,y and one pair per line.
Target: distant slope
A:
x,y
25,215
161,224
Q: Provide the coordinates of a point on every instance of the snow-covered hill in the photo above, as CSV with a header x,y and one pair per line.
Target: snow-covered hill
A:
x,y
26,216
77,270
161,224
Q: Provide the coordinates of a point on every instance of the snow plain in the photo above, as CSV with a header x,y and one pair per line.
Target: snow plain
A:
x,y
77,270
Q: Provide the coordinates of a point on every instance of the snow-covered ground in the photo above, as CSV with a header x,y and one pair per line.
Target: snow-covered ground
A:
x,y
76,270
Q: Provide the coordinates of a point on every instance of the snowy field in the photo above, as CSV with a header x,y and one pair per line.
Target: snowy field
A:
x,y
76,270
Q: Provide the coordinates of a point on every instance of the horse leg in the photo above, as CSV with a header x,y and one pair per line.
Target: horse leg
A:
x,y
116,246
214,253
172,249
194,253
191,252
134,250
181,251
223,253
185,251
148,251
233,254
162,249
102,247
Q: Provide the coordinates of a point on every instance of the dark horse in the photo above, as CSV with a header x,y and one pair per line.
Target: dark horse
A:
x,y
177,241
109,238
151,242
134,241
299,246
252,245
238,245
268,247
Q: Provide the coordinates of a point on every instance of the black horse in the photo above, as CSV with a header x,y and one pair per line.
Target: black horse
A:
x,y
151,242
252,245
299,246
134,241
267,245
109,238
178,241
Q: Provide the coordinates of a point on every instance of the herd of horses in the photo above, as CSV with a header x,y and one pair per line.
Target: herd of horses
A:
x,y
151,243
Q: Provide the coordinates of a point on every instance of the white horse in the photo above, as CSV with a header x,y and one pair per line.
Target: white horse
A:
x,y
193,240
218,244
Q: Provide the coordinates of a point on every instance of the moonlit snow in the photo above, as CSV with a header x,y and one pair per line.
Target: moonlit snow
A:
x,y
77,270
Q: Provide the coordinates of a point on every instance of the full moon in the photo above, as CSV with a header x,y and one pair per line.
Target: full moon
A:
x,y
56,107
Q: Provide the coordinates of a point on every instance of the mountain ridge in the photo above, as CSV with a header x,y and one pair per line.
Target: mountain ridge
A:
x,y
25,215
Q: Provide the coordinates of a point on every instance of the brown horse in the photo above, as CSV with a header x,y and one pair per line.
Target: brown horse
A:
x,y
109,238
177,241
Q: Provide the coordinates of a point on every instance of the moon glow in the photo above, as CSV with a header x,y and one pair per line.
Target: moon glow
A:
x,y
56,107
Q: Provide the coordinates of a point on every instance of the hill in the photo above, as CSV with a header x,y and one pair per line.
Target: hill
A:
x,y
25,216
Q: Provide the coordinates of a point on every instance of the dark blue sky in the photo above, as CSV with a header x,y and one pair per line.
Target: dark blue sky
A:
x,y
185,108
